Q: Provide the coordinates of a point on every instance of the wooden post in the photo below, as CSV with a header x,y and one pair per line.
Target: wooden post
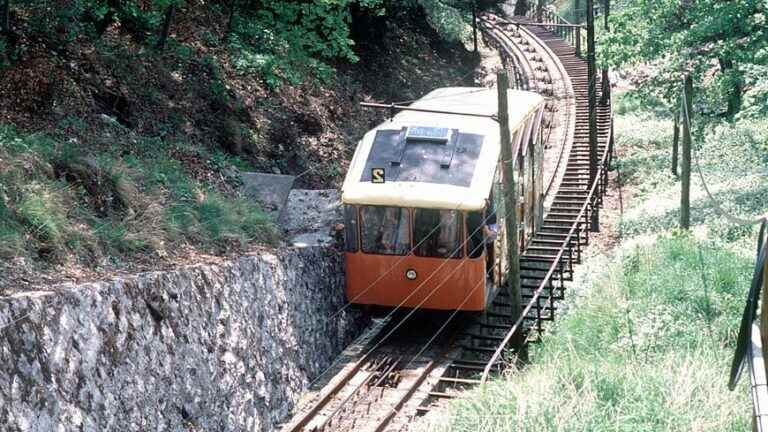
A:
x,y
592,104
508,178
685,196
474,23
675,142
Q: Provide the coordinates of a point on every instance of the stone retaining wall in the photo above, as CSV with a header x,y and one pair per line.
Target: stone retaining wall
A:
x,y
208,347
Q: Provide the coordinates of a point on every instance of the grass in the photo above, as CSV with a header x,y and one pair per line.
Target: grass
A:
x,y
733,160
649,331
647,348
58,201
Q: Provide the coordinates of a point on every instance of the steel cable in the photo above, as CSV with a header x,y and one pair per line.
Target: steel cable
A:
x,y
411,312
423,283
715,203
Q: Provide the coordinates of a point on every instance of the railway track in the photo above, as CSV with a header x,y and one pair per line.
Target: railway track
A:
x,y
416,363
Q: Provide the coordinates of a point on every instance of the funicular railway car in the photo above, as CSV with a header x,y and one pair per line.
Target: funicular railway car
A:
x,y
424,201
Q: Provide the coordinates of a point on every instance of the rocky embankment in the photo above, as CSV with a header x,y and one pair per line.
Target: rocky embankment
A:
x,y
207,347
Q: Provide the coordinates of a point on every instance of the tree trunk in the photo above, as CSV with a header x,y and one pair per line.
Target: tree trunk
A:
x,y
474,24
577,11
5,17
521,7
230,19
736,90
605,96
764,313
675,142
685,196
166,26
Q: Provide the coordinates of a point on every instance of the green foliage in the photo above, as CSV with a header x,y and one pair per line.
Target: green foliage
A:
x,y
732,157
215,218
724,40
151,200
634,101
451,21
285,40
281,41
43,214
756,92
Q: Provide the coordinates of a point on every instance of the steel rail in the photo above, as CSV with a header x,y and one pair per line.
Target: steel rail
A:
x,y
592,196
513,50
569,93
298,425
510,48
564,25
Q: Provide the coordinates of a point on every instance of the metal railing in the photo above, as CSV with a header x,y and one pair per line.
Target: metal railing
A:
x,y
515,51
571,242
571,33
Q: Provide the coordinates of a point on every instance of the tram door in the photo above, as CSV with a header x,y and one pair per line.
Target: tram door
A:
x,y
521,186
530,179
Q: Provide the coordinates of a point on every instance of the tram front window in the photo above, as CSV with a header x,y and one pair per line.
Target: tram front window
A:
x,y
384,230
437,233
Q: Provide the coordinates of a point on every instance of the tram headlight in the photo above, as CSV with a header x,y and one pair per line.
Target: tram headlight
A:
x,y
411,274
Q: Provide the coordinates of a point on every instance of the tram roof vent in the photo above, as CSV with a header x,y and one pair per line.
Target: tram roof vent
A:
x,y
437,135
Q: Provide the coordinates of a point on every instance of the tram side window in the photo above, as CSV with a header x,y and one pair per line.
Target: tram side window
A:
x,y
437,233
385,230
475,225
350,228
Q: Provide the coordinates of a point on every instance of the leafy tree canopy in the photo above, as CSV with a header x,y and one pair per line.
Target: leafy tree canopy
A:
x,y
282,40
722,43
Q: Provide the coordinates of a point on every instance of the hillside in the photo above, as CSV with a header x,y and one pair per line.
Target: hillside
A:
x,y
118,156
647,333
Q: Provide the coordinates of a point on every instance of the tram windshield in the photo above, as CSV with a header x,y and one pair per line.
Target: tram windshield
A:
x,y
385,230
437,233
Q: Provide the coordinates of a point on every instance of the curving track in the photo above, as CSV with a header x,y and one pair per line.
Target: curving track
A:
x,y
414,363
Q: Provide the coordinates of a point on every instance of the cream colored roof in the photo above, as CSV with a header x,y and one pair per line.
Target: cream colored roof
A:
x,y
433,195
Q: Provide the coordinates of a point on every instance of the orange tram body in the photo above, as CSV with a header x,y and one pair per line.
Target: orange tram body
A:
x,y
424,201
